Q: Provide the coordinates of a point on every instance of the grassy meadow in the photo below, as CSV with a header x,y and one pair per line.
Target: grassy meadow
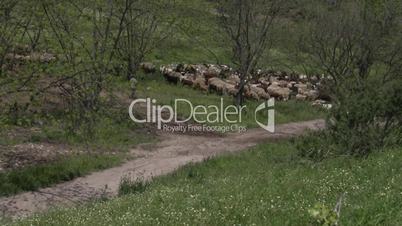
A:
x,y
267,185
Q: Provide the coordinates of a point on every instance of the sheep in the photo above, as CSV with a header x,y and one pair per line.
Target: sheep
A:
x,y
172,77
233,79
260,92
278,92
216,84
212,72
148,68
222,87
249,93
187,79
200,83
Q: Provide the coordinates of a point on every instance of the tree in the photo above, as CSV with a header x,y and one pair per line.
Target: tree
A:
x,y
9,30
18,37
357,45
248,25
86,38
144,26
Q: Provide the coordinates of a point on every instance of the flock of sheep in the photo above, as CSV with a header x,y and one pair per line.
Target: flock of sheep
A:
x,y
263,85
223,80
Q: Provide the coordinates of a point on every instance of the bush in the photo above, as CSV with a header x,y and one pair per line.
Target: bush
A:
x,y
362,120
360,57
366,118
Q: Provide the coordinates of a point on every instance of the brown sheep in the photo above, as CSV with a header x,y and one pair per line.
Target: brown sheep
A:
x,y
172,77
187,79
200,83
212,72
250,93
278,92
260,92
217,85
148,68
231,89
233,79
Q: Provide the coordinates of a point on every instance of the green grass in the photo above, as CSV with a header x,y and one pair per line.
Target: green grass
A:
x,y
115,132
9,135
269,185
196,36
108,134
34,177
154,86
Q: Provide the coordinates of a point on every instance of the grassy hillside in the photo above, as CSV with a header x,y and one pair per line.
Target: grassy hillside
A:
x,y
119,135
196,38
269,185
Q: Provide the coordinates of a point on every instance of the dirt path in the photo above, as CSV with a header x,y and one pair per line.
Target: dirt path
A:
x,y
172,152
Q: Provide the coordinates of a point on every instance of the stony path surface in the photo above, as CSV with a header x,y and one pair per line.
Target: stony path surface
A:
x,y
172,152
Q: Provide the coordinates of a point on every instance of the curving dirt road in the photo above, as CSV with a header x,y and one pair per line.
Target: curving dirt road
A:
x,y
172,152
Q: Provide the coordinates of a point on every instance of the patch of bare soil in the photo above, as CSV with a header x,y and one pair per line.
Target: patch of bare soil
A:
x,y
27,154
20,152
174,151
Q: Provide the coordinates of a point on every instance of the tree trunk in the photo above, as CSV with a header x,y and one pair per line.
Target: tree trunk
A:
x,y
240,94
130,70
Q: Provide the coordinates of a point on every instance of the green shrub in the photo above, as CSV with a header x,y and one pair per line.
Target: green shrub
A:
x,y
361,59
130,186
365,118
362,120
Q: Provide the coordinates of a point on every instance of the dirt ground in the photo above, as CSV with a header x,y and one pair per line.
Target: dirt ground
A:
x,y
21,152
172,152
26,154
